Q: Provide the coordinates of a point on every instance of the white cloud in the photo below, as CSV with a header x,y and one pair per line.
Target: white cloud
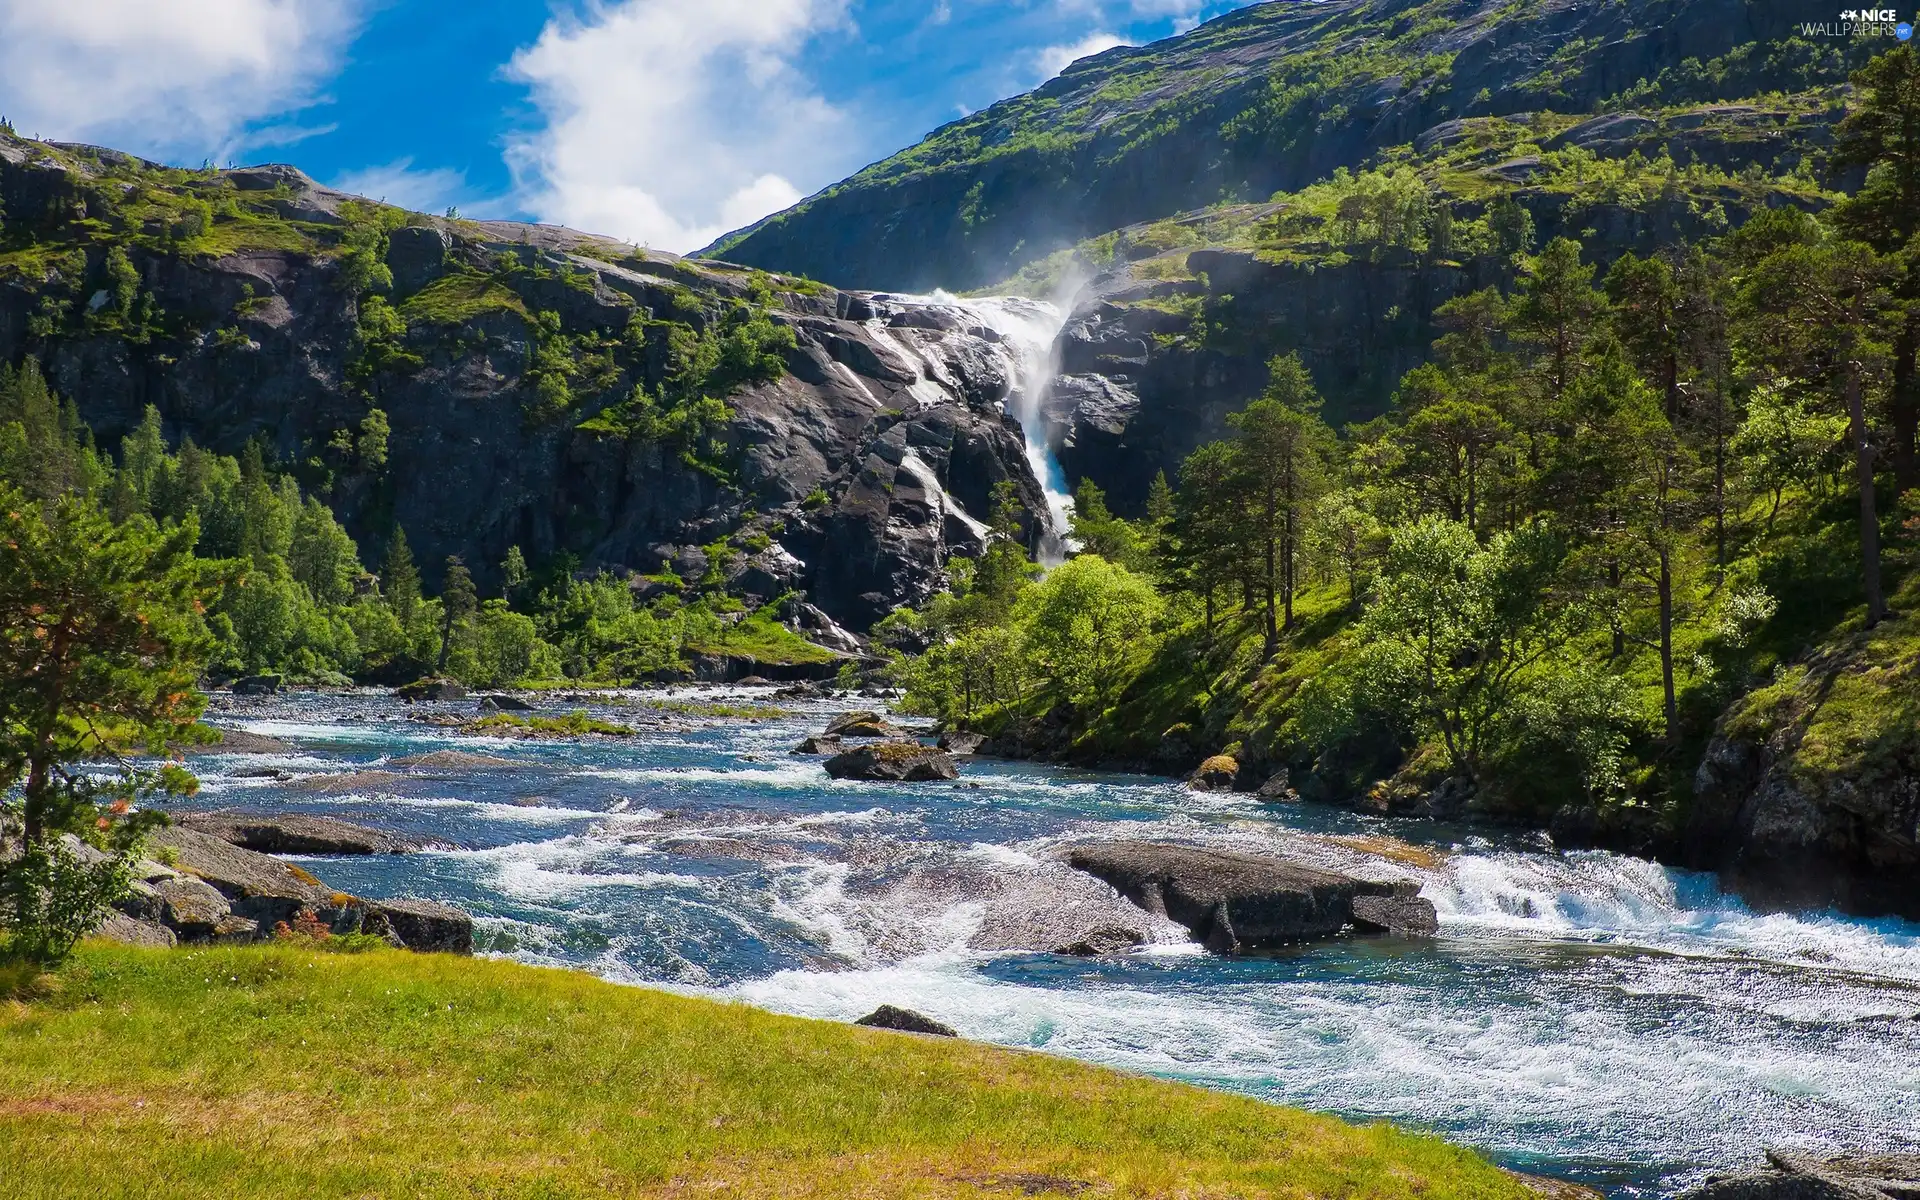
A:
x,y
670,122
165,76
428,191
1054,59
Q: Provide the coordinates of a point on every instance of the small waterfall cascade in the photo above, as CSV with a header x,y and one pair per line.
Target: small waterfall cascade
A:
x,y
1031,329
1028,330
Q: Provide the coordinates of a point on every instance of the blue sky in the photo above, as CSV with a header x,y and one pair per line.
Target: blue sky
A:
x,y
665,122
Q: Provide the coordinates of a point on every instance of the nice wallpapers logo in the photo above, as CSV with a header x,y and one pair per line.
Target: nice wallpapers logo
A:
x,y
1861,22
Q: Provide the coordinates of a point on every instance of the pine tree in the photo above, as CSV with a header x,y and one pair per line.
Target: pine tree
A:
x,y
400,579
458,601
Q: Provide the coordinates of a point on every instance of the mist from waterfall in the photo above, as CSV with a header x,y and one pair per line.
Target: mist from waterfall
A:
x,y
1031,330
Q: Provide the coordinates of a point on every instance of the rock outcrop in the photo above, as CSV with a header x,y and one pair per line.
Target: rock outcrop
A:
x,y
431,689
854,476
294,833
905,1020
1809,794
894,762
216,891
1795,1176
1231,901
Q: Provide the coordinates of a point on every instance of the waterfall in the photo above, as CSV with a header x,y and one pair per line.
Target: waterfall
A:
x,y
1028,330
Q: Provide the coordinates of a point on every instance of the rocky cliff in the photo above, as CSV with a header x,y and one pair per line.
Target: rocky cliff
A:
x,y
1272,97
542,387
1809,793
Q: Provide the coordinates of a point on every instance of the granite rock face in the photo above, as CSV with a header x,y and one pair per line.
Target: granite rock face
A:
x,y
875,454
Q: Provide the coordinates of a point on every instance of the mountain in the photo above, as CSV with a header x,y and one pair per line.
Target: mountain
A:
x,y
1320,178
542,388
1272,98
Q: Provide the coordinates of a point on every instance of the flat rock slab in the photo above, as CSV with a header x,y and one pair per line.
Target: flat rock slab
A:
x,y
897,762
1794,1176
295,833
1227,900
905,1020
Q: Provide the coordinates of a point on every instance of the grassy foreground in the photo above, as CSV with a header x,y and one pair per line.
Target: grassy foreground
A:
x,y
273,1071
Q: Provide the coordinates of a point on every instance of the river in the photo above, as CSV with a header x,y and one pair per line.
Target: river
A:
x,y
1584,1015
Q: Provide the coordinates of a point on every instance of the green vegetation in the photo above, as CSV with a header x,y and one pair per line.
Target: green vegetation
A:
x,y
574,724
1606,509
292,598
385,1073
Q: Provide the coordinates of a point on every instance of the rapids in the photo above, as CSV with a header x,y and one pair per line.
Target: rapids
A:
x,y
1583,1014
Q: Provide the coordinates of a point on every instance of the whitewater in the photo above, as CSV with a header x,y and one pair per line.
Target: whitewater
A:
x,y
1582,1014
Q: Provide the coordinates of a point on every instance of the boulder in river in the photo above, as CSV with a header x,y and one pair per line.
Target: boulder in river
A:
x,y
506,703
905,1020
1228,900
256,685
295,833
863,724
1216,774
819,745
1407,916
959,741
901,762
431,689
1796,1176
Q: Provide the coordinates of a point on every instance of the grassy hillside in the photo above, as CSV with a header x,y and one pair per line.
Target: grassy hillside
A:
x,y
280,1072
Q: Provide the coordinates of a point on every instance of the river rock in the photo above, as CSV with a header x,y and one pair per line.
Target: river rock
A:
x,y
1795,1176
905,1020
431,689
1406,916
959,741
1278,789
1216,774
819,745
256,886
295,833
506,703
863,724
1228,900
256,685
904,762
421,925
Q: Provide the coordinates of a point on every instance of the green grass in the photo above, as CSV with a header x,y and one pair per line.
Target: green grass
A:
x,y
458,298
761,637
277,1071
